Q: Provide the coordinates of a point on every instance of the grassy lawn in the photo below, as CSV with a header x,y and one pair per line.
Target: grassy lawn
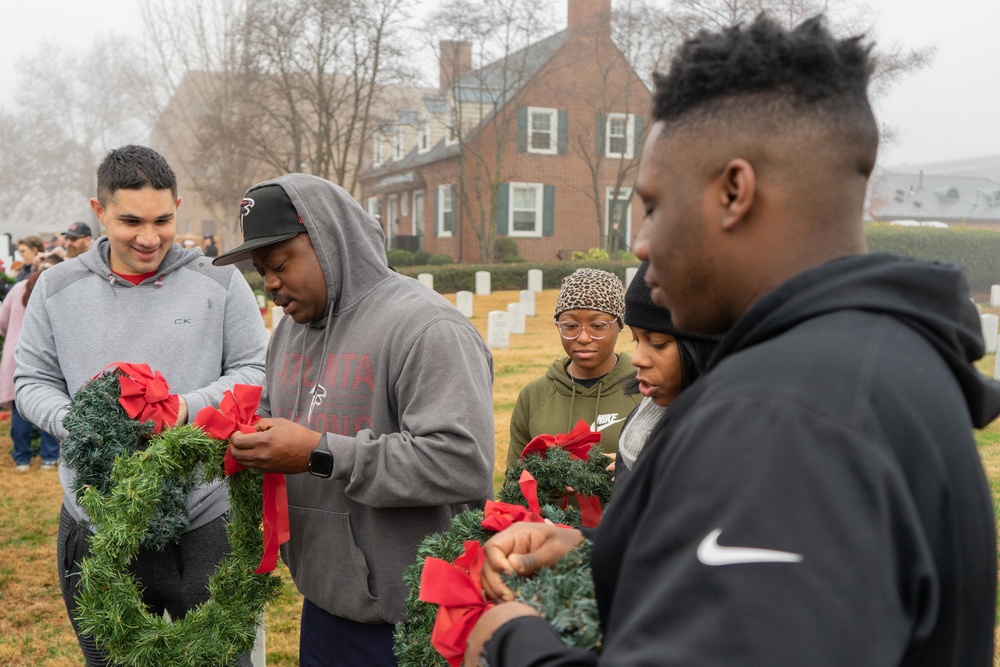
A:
x,y
34,629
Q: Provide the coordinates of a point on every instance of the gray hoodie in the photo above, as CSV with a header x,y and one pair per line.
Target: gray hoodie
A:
x,y
196,323
401,383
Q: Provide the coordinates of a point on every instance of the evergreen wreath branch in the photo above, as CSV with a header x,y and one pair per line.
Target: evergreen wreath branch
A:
x,y
121,508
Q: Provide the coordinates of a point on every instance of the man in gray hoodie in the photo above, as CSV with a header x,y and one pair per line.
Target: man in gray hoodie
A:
x,y
380,389
138,297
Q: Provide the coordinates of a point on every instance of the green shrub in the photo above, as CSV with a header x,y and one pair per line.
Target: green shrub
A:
x,y
255,280
440,260
399,257
626,256
975,250
594,254
420,257
505,250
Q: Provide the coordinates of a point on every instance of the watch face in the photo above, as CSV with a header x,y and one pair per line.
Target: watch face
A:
x,y
321,463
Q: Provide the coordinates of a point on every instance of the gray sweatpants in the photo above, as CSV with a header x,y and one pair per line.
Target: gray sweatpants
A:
x,y
175,579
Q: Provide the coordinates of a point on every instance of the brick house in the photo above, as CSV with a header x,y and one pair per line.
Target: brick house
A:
x,y
540,146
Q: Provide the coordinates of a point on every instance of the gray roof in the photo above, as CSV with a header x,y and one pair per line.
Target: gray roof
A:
x,y
486,84
895,196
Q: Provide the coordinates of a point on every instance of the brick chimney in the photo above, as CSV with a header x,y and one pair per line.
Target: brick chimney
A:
x,y
589,15
456,62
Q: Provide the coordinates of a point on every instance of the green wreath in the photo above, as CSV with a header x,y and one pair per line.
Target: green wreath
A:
x,y
563,594
110,606
557,470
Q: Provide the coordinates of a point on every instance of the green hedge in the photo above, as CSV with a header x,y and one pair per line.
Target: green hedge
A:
x,y
458,277
975,250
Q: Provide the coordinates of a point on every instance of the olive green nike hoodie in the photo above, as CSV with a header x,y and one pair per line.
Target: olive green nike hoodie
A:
x,y
553,404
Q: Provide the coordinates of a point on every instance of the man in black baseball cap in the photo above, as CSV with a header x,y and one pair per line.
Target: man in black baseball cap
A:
x,y
78,239
267,216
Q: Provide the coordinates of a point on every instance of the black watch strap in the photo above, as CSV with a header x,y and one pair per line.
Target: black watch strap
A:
x,y
321,460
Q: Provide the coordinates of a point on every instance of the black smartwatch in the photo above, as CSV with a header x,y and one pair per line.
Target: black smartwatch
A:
x,y
321,460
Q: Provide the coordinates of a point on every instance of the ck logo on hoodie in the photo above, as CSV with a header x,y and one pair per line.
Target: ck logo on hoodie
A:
x,y
334,392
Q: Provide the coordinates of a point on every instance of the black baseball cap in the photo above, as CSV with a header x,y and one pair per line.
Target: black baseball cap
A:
x,y
78,230
267,216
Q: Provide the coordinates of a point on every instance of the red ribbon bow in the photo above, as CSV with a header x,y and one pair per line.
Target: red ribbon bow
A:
x,y
498,516
238,412
146,396
577,442
457,590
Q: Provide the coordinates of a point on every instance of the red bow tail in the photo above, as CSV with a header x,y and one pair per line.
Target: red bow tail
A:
x,y
457,590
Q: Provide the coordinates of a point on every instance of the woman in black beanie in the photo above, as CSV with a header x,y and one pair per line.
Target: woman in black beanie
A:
x,y
668,361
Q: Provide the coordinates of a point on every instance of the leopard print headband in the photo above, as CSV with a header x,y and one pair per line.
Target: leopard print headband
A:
x,y
592,289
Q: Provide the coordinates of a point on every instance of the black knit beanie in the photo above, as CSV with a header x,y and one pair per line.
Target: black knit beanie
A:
x,y
640,311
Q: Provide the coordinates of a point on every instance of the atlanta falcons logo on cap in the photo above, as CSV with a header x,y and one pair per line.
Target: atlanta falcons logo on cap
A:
x,y
245,207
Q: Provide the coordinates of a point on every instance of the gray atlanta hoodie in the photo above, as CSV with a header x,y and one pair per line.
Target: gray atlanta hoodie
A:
x,y
401,383
198,324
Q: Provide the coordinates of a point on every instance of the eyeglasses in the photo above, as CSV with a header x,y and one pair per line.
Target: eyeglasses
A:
x,y
597,329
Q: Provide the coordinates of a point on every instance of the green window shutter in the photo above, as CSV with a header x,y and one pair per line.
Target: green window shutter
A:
x,y
503,209
600,134
522,130
549,210
638,135
437,204
563,131
449,221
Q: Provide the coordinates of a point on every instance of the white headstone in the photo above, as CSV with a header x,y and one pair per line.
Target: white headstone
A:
x,y
261,301
990,325
498,329
483,283
528,301
276,314
630,275
535,280
995,295
463,301
426,279
515,312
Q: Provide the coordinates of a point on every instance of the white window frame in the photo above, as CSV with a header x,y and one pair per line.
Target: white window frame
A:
x,y
539,189
444,191
377,152
553,130
374,208
397,143
424,136
418,212
629,135
625,196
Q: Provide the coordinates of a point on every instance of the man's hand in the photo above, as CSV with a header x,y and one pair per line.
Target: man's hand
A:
x,y
488,624
279,445
182,411
523,548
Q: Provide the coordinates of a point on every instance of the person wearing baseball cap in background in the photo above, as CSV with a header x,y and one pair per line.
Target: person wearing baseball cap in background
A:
x,y
78,239
587,383
381,391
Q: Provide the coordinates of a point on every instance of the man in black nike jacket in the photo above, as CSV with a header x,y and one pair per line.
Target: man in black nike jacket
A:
x,y
817,497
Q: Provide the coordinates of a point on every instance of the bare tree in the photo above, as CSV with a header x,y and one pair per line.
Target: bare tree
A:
x,y
251,89
69,109
481,121
660,28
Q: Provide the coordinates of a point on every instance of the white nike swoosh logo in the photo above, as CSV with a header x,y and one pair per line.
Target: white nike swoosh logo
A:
x,y
604,426
710,552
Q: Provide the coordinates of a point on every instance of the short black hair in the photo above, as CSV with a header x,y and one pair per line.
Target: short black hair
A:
x,y
133,167
764,73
